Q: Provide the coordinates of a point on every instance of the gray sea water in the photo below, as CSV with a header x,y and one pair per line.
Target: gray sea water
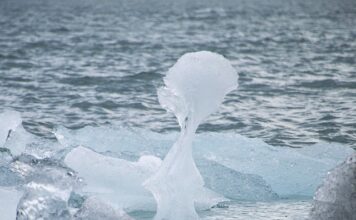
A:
x,y
96,62
85,62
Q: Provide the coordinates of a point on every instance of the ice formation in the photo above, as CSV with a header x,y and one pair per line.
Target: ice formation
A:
x,y
115,180
336,198
234,185
225,160
9,199
47,188
14,137
94,209
9,121
194,88
290,172
119,181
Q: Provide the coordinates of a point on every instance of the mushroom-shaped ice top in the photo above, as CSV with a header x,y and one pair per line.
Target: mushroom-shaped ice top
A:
x,y
196,85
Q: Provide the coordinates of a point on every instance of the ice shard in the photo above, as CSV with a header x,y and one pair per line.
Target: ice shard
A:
x,y
194,88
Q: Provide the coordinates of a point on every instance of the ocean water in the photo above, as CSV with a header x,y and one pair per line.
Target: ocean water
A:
x,y
99,63
90,62
277,210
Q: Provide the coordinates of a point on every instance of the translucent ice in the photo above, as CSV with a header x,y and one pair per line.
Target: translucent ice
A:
x,y
9,121
336,198
20,141
290,172
115,180
47,188
119,181
9,199
94,209
234,185
194,88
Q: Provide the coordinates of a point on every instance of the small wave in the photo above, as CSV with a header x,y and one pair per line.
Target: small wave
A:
x,y
60,30
328,84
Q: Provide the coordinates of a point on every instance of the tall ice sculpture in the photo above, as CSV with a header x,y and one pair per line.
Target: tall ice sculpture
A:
x,y
194,88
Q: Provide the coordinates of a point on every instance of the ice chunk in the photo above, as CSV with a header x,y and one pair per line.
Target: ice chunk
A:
x,y
119,181
9,198
47,190
15,138
21,141
9,121
112,179
194,88
116,139
234,185
336,198
290,172
94,209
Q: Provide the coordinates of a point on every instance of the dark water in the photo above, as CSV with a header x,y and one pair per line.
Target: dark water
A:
x,y
76,63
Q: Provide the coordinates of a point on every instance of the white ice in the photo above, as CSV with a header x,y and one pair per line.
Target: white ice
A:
x,y
194,88
119,181
9,199
112,179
